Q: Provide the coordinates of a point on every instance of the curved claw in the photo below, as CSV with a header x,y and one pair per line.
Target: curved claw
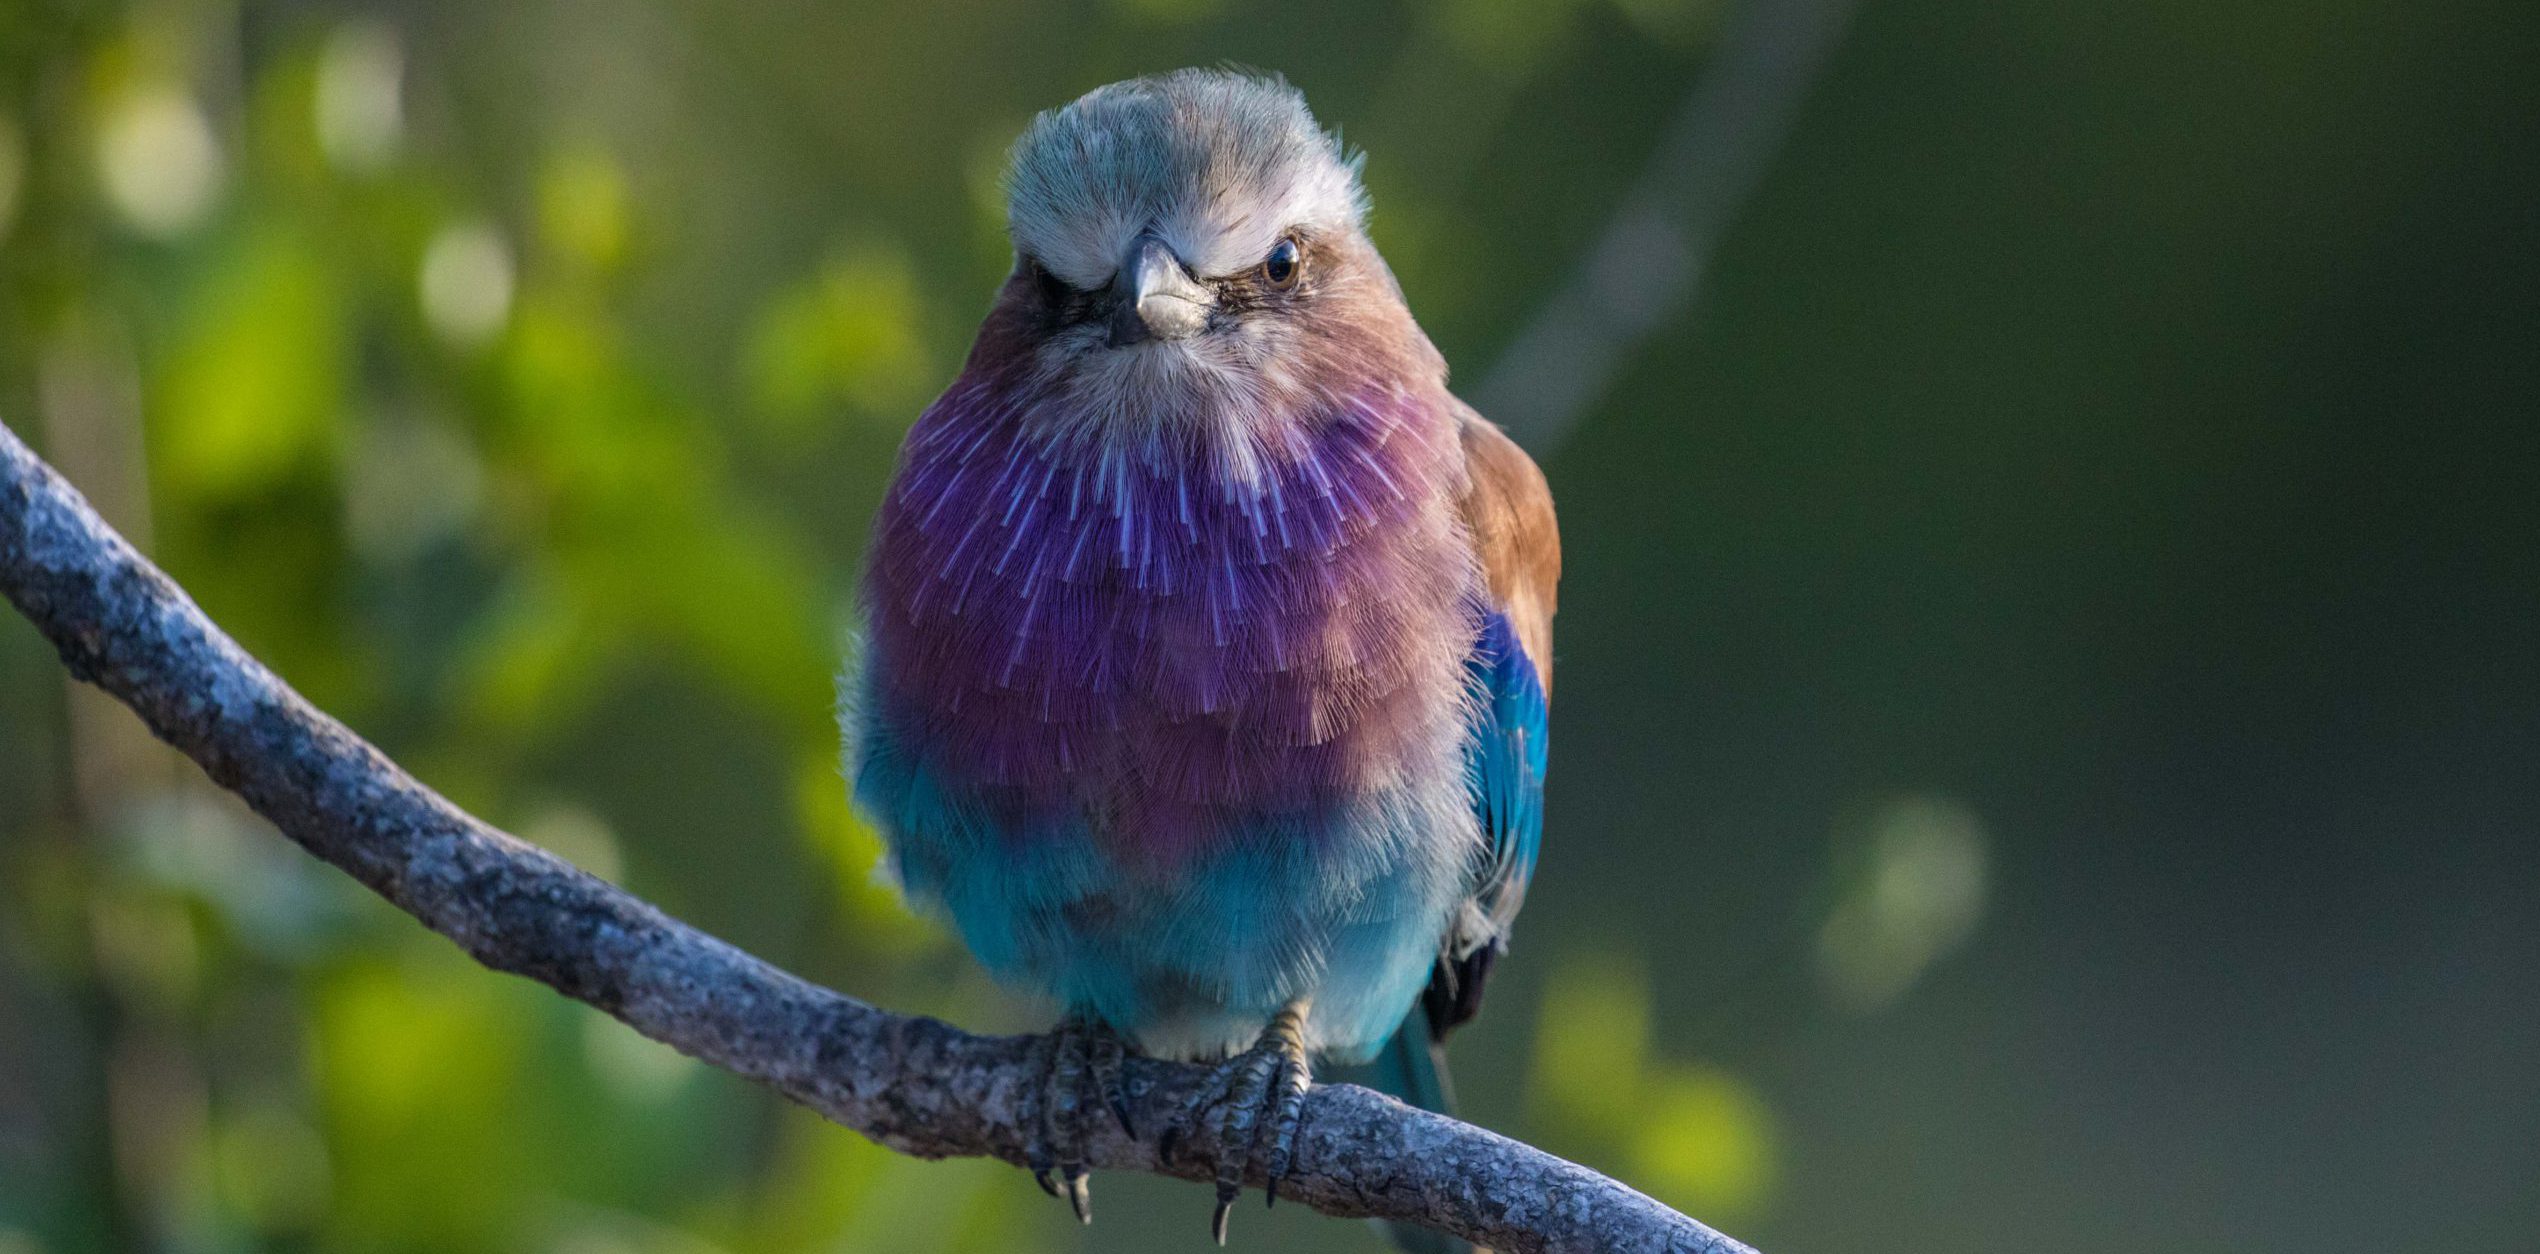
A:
x,y
1079,1195
1257,1099
1077,1054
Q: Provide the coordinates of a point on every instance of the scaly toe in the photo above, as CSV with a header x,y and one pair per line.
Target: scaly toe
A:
x,y
1109,1057
1038,1158
1238,1124
1287,1117
1074,1056
1248,1112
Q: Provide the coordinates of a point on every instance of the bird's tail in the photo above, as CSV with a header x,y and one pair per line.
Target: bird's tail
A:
x,y
1412,1066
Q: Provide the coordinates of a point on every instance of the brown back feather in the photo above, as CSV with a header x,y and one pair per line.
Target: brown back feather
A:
x,y
1508,507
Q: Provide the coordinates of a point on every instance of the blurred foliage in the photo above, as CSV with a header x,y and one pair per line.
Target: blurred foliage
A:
x,y
2045,652
1692,1135
429,416
401,434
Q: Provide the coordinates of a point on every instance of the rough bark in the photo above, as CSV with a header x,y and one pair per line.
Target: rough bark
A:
x,y
914,1084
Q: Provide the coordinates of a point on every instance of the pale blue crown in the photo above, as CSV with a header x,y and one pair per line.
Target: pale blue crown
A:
x,y
1218,164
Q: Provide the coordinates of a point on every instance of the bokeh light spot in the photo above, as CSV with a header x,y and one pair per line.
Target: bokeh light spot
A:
x,y
159,160
1591,1044
360,102
572,832
466,283
1705,1143
633,1065
1914,892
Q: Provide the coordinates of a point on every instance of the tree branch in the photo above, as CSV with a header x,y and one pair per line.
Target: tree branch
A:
x,y
1659,243
916,1085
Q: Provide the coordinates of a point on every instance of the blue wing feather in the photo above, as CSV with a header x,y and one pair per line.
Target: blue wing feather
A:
x,y
1505,767
1504,771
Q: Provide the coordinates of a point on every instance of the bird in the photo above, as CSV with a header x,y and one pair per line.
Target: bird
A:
x,y
1206,635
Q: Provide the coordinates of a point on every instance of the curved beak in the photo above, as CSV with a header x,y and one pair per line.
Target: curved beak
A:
x,y
1155,297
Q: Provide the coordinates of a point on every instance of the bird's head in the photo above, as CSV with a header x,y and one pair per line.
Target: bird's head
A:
x,y
1191,247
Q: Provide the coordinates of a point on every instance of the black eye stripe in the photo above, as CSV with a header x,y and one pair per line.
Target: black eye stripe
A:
x,y
1052,288
1274,282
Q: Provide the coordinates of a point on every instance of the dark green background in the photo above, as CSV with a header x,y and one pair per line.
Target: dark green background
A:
x,y
2102,452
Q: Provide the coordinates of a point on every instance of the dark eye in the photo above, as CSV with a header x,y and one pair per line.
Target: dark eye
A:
x,y
1053,289
1284,263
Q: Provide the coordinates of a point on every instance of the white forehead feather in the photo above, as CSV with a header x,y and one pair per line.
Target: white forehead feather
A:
x,y
1218,164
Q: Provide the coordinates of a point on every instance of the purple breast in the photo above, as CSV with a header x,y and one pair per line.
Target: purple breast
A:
x,y
1163,640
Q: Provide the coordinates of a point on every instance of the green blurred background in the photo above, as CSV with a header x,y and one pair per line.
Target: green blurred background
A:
x,y
2049,745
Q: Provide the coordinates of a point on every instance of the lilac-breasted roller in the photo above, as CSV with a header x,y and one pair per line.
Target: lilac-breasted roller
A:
x,y
1209,635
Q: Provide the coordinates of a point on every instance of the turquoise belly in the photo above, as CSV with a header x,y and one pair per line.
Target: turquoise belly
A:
x,y
1344,910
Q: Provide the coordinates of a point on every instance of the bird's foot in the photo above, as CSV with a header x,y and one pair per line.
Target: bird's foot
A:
x,y
1081,1058
1250,1109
